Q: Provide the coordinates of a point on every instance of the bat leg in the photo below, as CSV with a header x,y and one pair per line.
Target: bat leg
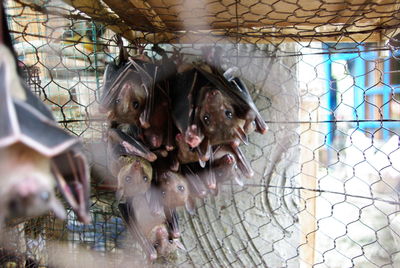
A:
x,y
130,144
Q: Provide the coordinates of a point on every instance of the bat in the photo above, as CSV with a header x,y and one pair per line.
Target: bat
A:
x,y
234,87
148,228
175,193
134,177
128,91
25,122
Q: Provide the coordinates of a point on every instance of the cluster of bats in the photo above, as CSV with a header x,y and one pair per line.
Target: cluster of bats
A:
x,y
174,130
36,156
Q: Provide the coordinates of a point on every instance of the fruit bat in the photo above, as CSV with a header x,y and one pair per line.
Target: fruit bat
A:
x,y
134,177
234,87
175,193
149,229
27,123
128,90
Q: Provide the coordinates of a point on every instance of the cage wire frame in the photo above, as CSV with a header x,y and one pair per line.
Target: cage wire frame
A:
x,y
323,75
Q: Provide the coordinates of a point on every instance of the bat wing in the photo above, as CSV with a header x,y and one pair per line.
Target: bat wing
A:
x,y
128,216
23,118
72,175
146,72
181,98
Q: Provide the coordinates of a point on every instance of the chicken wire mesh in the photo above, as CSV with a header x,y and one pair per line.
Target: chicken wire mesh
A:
x,y
324,75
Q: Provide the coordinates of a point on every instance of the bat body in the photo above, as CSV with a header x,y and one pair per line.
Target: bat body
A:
x,y
148,228
26,125
134,177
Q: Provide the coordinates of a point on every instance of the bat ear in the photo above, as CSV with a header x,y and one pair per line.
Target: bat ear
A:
x,y
190,206
58,209
179,244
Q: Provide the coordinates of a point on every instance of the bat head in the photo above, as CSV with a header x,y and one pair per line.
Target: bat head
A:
x,y
162,242
218,117
27,185
174,189
130,102
134,177
30,197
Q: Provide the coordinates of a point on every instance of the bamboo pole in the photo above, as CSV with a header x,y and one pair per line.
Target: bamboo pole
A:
x,y
309,169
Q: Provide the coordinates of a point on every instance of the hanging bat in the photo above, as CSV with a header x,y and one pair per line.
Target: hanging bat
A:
x,y
234,87
128,90
26,121
149,229
175,193
134,177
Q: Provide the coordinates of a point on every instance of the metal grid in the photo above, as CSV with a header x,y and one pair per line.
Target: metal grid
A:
x,y
325,78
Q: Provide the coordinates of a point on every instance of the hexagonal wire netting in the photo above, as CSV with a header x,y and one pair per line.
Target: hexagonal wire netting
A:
x,y
325,77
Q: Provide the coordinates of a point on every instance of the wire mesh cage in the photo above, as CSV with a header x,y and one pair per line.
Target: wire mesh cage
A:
x,y
323,74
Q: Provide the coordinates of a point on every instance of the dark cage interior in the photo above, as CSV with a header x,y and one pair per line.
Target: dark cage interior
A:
x,y
324,76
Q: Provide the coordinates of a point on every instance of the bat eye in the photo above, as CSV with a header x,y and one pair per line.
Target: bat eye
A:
x,y
45,196
117,101
171,241
128,178
181,188
228,114
163,193
135,105
156,245
206,119
145,178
